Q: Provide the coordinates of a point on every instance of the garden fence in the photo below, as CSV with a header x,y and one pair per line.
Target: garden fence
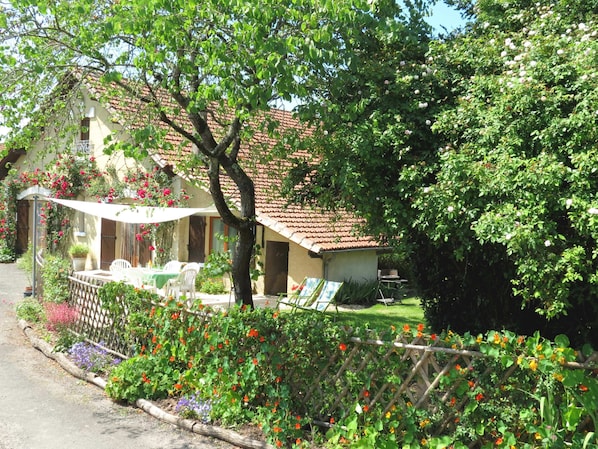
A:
x,y
399,372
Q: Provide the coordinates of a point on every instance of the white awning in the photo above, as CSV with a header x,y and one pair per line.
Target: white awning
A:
x,y
131,213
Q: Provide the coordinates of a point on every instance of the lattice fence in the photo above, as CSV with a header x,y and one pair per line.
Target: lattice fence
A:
x,y
93,321
396,373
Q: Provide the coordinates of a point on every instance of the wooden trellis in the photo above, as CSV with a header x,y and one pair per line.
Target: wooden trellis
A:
x,y
391,374
93,321
399,372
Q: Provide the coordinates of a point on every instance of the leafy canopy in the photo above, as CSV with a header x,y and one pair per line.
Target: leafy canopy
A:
x,y
478,153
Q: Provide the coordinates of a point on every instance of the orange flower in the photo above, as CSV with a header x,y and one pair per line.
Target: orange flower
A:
x,y
278,443
366,394
171,359
342,347
246,399
255,361
498,441
479,397
420,327
582,387
297,426
175,316
365,408
331,420
253,333
433,337
406,328
178,386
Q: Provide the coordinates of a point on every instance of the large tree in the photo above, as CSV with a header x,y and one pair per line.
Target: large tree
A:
x,y
483,161
207,70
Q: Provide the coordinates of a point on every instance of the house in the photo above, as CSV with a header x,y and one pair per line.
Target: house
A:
x,y
296,241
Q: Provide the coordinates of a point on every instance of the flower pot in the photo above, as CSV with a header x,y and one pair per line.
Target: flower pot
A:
x,y
79,263
28,292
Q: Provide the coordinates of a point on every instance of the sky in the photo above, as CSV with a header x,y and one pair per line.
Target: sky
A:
x,y
445,16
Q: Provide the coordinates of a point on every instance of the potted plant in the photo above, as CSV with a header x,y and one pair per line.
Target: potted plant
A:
x,y
78,253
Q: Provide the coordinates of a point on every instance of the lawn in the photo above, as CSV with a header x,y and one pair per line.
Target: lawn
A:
x,y
382,317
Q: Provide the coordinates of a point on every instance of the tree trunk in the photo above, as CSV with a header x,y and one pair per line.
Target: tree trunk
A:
x,y
242,266
245,224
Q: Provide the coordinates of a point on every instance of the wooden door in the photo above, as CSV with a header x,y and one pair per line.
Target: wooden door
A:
x,y
197,238
277,267
22,226
108,243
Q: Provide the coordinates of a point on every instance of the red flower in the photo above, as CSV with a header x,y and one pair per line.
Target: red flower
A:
x,y
342,347
479,397
255,361
253,333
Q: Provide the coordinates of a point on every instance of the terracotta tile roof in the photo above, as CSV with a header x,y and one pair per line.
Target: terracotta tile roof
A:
x,y
315,230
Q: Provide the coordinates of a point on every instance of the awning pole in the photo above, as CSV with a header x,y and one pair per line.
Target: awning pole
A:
x,y
34,271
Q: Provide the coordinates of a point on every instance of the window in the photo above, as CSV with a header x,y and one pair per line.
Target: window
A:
x,y
222,236
83,145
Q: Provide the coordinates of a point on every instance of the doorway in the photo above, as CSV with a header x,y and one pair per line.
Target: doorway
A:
x,y
197,238
277,267
108,243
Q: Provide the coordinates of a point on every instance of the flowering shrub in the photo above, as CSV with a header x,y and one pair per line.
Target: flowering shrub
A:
x,y
257,365
92,358
194,407
59,316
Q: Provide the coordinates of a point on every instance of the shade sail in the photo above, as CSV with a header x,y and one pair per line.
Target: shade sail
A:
x,y
131,213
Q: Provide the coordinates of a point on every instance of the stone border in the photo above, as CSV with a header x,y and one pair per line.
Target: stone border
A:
x,y
145,405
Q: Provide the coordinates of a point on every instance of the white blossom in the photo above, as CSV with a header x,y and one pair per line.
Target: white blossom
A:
x,y
423,105
450,208
569,202
508,236
547,243
593,210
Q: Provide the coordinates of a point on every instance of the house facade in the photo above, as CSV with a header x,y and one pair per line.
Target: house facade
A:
x,y
295,242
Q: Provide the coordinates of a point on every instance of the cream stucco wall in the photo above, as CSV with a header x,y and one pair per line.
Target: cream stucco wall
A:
x,y
357,266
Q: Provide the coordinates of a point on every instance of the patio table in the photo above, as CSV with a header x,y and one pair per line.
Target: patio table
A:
x,y
157,277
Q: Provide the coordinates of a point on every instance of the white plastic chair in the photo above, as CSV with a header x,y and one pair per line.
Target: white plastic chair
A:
x,y
172,266
184,283
118,267
194,265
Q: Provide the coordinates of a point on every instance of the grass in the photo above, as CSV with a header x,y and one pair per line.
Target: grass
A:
x,y
381,317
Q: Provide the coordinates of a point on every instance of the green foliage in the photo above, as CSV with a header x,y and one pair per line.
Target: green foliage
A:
x,y
211,286
7,254
353,292
25,263
30,310
256,365
78,250
128,306
474,155
55,278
